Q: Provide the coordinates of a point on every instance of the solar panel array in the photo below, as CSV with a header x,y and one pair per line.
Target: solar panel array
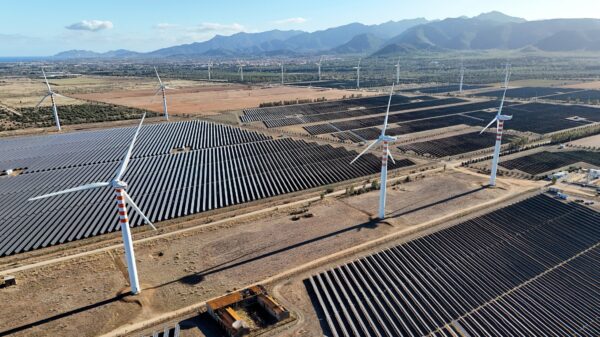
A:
x,y
454,145
225,166
351,108
529,269
543,162
403,117
528,92
444,88
545,118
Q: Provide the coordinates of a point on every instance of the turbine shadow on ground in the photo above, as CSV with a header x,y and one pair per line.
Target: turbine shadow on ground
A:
x,y
199,276
21,328
457,196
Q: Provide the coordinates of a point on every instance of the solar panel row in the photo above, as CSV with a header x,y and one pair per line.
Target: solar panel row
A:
x,y
167,186
527,269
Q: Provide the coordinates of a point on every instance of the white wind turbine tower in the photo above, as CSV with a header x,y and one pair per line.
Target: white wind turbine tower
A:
x,y
384,140
319,67
506,76
358,74
162,88
499,119
397,66
122,197
281,64
52,95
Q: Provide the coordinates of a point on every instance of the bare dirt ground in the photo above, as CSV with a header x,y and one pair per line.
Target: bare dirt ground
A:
x,y
585,85
26,92
205,101
80,297
588,141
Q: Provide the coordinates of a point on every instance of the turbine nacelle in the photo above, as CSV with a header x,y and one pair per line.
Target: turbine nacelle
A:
x,y
118,184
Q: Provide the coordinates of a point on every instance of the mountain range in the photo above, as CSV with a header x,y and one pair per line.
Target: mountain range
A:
x,y
487,31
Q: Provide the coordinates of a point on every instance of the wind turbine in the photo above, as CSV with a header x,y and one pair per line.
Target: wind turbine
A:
x,y
51,94
319,65
210,65
462,77
121,195
163,88
281,64
241,71
397,66
358,74
384,140
499,119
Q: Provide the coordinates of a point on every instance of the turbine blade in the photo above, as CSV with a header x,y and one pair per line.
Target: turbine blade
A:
x,y
487,126
138,210
71,190
46,79
41,101
365,150
385,122
123,167
159,81
390,155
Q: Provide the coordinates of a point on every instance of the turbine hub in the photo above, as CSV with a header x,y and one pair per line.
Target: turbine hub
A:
x,y
118,184
386,138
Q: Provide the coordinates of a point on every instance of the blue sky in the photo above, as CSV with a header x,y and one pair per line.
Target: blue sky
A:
x,y
33,28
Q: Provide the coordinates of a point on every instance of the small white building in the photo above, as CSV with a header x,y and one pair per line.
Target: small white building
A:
x,y
558,175
594,174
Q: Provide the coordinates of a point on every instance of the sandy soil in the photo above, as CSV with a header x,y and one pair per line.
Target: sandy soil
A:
x,y
585,85
27,92
78,298
589,141
212,100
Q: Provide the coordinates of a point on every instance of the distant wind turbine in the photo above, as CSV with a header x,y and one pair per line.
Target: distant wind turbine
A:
x,y
52,95
319,67
122,197
499,119
281,64
462,77
210,65
241,71
397,66
384,140
162,88
358,74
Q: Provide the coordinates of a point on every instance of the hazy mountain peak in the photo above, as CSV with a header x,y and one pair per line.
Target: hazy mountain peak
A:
x,y
499,17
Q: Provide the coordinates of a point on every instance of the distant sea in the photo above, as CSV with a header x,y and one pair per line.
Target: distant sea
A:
x,y
22,59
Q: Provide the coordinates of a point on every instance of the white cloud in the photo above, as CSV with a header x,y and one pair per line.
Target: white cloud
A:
x,y
91,25
290,21
219,28
165,25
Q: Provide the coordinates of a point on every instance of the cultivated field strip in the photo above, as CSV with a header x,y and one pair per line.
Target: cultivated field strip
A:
x,y
360,112
529,269
167,186
403,117
543,162
454,145
82,148
545,118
